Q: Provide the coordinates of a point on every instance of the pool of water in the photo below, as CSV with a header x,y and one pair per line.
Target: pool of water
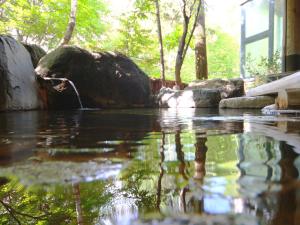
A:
x,y
149,167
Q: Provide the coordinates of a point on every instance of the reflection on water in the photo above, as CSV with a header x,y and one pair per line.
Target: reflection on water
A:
x,y
116,167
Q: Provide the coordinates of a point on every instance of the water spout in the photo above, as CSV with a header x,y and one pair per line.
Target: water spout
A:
x,y
77,93
71,83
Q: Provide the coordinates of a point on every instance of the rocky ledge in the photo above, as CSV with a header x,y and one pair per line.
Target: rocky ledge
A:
x,y
258,102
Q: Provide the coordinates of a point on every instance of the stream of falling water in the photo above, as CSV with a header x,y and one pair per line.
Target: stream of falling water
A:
x,y
71,83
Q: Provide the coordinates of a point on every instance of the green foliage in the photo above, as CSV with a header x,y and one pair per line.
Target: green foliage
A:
x,y
171,39
223,54
33,205
44,22
260,68
50,205
222,50
138,39
134,33
135,39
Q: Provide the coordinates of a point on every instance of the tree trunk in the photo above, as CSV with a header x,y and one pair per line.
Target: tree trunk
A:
x,y
185,38
161,172
200,46
180,51
71,24
180,155
162,61
79,214
200,158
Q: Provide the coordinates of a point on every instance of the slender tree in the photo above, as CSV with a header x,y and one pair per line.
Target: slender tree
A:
x,y
161,171
71,24
186,36
159,32
79,214
200,46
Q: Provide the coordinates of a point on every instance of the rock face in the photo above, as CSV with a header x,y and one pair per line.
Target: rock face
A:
x,y
102,79
247,102
36,53
228,88
18,86
198,98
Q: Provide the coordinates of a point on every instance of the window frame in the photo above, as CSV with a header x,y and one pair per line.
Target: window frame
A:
x,y
269,34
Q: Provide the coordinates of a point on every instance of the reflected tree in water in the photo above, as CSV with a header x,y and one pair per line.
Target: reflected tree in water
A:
x,y
197,205
288,200
162,171
52,204
76,191
180,155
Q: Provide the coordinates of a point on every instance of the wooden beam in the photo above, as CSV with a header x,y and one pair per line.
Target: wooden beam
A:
x,y
282,101
294,97
273,88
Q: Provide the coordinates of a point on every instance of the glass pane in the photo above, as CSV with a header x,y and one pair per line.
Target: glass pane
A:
x,y
278,28
256,52
256,17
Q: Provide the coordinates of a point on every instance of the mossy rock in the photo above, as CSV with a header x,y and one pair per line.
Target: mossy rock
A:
x,y
103,79
36,53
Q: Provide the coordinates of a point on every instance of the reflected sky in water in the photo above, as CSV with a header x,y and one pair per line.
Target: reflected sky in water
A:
x,y
124,166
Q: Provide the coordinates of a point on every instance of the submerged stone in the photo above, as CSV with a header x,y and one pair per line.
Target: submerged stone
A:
x,y
18,86
102,79
31,173
247,102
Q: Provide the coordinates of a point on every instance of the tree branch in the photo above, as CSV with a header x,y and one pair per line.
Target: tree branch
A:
x,y
8,209
192,8
192,31
71,24
12,210
184,10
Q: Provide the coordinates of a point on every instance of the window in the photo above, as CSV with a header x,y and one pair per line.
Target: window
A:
x,y
262,32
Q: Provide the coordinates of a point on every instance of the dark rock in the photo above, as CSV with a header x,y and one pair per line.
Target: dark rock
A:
x,y
247,102
102,79
198,98
228,88
36,53
18,86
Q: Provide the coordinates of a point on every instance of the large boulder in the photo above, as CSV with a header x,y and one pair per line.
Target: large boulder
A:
x,y
36,53
102,79
228,88
258,102
18,86
198,98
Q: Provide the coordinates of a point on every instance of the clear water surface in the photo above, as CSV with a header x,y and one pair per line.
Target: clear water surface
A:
x,y
139,166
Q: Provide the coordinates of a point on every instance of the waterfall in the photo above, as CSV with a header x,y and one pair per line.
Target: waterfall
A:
x,y
71,83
